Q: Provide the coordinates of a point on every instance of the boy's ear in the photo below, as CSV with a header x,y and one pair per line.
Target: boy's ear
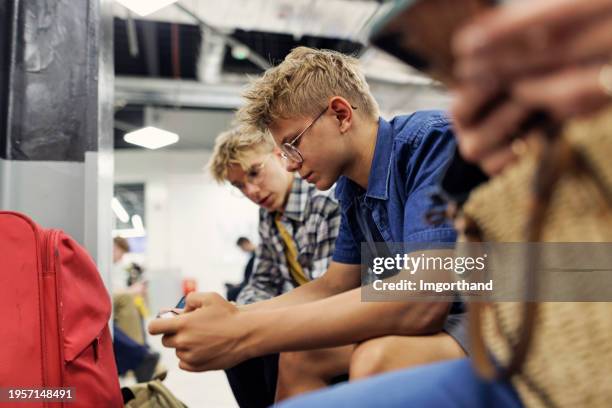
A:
x,y
343,111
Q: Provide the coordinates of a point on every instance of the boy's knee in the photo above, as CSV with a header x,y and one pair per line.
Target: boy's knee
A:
x,y
369,358
392,352
287,363
295,363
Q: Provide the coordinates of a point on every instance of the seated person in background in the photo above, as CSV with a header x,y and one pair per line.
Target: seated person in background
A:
x,y
137,357
298,226
247,246
319,108
131,351
135,274
126,313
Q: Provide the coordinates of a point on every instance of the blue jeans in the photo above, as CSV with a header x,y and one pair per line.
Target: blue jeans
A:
x,y
440,385
128,353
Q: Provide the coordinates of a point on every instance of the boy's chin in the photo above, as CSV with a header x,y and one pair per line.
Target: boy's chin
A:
x,y
323,184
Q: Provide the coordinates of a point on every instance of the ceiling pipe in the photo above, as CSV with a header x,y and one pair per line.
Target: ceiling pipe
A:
x,y
131,35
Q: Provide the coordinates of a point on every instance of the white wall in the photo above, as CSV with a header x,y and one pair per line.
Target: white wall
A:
x,y
192,223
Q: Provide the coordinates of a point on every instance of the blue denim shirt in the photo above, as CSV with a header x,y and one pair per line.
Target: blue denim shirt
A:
x,y
411,155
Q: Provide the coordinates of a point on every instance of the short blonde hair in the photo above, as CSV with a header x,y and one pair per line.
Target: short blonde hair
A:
x,y
233,146
301,86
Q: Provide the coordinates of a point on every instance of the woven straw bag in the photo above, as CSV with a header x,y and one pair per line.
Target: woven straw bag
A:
x,y
556,354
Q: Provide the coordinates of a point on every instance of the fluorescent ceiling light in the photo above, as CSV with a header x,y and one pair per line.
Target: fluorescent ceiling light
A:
x,y
137,222
136,231
151,137
119,210
144,7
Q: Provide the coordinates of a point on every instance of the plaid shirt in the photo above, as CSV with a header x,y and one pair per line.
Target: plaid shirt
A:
x,y
312,218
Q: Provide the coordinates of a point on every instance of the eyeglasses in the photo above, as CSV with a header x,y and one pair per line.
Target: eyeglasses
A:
x,y
289,151
254,176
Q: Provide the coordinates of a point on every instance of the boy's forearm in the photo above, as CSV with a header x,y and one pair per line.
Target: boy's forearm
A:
x,y
307,293
339,278
312,291
339,320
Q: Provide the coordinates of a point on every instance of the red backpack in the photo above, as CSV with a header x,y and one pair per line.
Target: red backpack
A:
x,y
55,312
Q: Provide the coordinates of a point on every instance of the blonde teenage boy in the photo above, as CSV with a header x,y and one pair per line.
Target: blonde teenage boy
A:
x,y
251,163
290,209
320,111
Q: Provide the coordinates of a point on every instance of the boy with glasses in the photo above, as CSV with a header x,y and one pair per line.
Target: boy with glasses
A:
x,y
251,163
319,109
297,226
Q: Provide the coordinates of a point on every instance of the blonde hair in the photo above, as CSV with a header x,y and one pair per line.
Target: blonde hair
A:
x,y
302,85
233,146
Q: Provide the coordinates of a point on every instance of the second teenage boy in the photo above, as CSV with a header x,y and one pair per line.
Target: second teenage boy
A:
x,y
298,226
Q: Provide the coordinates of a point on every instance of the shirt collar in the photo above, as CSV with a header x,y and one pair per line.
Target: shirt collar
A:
x,y
378,180
380,171
298,197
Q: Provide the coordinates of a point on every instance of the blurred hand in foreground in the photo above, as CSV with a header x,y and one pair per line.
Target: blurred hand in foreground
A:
x,y
552,56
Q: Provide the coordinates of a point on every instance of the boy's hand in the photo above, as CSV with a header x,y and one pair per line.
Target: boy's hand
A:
x,y
486,123
209,335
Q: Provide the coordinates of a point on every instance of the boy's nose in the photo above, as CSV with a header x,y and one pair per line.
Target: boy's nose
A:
x,y
251,190
292,166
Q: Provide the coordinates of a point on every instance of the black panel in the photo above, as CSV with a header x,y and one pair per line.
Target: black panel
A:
x,y
126,64
272,46
189,42
53,89
190,39
275,47
6,11
344,46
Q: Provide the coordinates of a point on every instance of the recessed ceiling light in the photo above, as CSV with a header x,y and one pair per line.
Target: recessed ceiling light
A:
x,y
144,7
151,137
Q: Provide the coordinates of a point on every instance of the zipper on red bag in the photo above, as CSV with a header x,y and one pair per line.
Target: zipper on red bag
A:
x,y
47,260
50,251
50,257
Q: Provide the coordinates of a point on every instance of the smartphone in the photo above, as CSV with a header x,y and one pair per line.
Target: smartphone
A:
x,y
181,303
419,32
172,313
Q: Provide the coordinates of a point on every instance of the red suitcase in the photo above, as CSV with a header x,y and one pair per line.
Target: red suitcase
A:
x,y
55,312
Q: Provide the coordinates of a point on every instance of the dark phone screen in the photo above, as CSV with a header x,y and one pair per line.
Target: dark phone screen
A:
x,y
180,304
